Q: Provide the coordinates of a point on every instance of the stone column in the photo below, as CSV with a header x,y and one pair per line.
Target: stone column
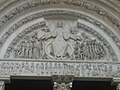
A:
x,y
2,85
118,86
62,82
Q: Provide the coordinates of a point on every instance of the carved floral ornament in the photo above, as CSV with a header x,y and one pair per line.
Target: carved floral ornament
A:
x,y
59,43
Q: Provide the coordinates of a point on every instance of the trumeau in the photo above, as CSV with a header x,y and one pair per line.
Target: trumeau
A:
x,y
70,38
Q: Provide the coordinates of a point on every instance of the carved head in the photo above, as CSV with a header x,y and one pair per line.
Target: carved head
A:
x,y
60,24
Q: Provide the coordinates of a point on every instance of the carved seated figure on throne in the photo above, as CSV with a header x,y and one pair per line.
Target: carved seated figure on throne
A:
x,y
60,48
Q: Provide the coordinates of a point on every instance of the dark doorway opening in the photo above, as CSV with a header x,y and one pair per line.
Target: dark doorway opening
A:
x,y
19,84
93,85
27,84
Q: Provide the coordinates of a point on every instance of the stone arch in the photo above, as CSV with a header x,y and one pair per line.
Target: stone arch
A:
x,y
98,24
83,27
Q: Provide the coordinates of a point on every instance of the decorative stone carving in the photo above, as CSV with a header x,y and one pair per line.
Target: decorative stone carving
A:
x,y
29,47
21,35
115,39
62,78
62,82
62,86
81,4
78,69
89,50
58,43
2,85
59,46
91,31
5,36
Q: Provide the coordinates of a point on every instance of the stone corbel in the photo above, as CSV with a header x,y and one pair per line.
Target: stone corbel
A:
x,y
2,85
62,82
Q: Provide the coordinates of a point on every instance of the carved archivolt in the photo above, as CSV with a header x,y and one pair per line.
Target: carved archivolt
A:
x,y
27,19
70,48
81,4
101,26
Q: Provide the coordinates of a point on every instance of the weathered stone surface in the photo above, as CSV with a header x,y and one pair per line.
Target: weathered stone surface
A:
x,y
45,68
59,41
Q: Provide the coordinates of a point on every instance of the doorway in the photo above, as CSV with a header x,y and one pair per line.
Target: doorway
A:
x,y
27,84
93,85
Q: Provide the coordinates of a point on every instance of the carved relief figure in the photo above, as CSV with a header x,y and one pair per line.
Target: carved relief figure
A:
x,y
59,46
89,50
30,47
60,43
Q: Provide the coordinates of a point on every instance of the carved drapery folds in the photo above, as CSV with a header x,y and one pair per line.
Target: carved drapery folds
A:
x,y
2,85
29,47
60,43
62,82
89,50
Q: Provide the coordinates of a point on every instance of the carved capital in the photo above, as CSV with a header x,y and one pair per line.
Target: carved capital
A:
x,y
62,82
2,85
62,78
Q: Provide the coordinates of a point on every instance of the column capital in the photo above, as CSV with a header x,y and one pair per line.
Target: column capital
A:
x,y
62,82
62,78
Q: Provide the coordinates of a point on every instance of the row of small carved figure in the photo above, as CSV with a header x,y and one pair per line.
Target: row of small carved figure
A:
x,y
89,50
28,49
